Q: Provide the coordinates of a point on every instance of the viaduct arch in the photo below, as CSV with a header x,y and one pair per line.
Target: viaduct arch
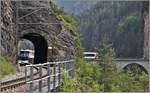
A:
x,y
141,67
125,63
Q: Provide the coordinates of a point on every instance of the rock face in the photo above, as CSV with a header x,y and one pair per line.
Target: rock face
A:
x,y
8,33
34,21
146,30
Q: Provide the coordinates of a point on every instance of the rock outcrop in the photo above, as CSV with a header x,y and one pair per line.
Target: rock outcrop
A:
x,y
8,33
22,18
146,30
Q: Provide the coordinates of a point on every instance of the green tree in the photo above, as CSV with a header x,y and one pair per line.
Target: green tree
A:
x,y
106,62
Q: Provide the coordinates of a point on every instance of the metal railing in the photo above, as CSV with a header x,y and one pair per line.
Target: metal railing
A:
x,y
51,74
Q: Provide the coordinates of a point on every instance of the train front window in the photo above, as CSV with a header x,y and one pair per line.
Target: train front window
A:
x,y
24,55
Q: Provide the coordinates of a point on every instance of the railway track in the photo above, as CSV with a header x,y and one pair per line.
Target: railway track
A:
x,y
12,84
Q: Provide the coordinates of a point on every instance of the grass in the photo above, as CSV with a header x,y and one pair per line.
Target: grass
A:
x,y
6,67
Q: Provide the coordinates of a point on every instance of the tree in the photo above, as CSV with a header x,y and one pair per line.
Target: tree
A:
x,y
107,56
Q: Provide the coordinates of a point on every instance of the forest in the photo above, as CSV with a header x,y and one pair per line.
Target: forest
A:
x,y
120,21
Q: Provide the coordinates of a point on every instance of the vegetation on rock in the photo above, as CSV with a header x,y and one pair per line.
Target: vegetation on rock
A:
x,y
67,20
6,67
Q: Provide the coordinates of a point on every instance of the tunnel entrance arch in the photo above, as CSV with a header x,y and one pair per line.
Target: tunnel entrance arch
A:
x,y
40,47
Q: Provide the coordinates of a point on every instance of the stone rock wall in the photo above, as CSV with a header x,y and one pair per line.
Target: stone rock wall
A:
x,y
33,17
8,33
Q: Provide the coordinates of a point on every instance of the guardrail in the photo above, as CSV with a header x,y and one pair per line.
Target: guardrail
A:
x,y
54,71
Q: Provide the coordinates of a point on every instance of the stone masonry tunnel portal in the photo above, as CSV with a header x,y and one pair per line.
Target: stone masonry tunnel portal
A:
x,y
40,45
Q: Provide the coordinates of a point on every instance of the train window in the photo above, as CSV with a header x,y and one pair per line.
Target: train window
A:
x,y
26,54
90,55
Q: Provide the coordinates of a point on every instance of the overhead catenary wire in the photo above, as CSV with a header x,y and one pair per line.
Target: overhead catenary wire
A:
x,y
29,13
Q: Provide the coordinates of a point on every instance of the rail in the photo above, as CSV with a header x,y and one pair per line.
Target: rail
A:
x,y
52,78
12,84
